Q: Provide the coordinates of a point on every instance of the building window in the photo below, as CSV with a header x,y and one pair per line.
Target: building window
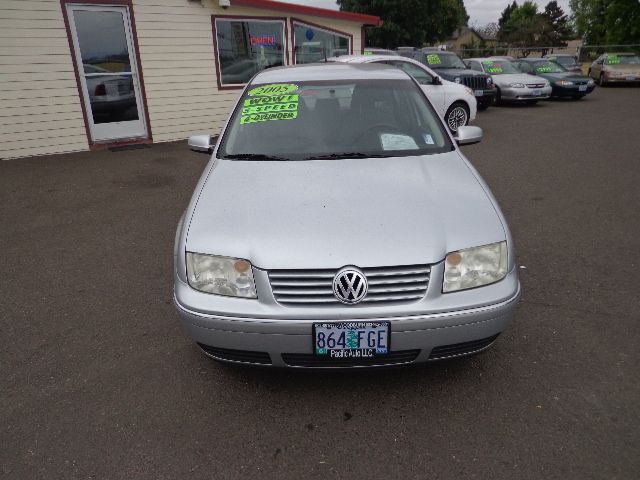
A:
x,y
246,46
313,43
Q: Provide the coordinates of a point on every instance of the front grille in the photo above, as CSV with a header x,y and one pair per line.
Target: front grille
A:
x,y
310,360
244,356
387,286
476,82
464,348
535,85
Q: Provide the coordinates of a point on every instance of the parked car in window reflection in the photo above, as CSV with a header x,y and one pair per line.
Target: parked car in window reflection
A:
x,y
111,96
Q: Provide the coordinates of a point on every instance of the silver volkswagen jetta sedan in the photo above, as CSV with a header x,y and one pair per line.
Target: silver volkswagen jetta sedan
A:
x,y
339,225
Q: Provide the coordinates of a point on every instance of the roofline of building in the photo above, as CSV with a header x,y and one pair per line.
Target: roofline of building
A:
x,y
313,11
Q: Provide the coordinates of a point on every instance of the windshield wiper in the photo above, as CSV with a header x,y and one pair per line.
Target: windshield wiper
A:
x,y
253,156
338,156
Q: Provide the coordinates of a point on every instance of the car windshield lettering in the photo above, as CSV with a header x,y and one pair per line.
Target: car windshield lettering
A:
x,y
499,67
549,67
328,120
623,60
439,60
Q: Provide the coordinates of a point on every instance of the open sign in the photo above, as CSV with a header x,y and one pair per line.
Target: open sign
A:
x,y
263,40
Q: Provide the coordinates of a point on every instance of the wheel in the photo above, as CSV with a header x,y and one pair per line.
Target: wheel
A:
x,y
457,116
601,81
498,98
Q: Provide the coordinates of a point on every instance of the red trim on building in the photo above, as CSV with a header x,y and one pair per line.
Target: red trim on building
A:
x,y
313,11
216,57
319,27
109,143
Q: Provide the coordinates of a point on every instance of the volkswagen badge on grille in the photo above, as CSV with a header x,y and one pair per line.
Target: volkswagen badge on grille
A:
x,y
350,285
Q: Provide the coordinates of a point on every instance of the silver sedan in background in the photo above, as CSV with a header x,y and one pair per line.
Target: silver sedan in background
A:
x,y
338,225
512,85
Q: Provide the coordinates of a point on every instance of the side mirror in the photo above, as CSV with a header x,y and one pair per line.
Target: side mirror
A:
x,y
436,81
468,135
202,143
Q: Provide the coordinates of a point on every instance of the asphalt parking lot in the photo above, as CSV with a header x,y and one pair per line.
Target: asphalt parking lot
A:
x,y
99,382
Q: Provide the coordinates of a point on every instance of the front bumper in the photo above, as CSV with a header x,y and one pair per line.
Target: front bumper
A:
x,y
631,78
525,94
571,91
279,339
487,98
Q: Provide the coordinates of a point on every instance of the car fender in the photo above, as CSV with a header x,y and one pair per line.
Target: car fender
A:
x,y
455,92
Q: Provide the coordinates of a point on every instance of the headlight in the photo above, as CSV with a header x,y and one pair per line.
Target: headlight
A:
x,y
232,277
457,79
590,82
489,81
564,83
517,85
474,267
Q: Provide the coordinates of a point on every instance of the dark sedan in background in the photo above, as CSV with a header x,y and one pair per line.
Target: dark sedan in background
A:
x,y
563,82
566,60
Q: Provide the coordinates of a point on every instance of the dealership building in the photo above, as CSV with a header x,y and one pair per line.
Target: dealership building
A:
x,y
83,75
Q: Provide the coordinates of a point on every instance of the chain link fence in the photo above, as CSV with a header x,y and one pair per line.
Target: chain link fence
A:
x,y
583,53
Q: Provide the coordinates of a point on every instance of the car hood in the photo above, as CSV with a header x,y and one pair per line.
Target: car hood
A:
x,y
456,72
563,76
507,78
331,213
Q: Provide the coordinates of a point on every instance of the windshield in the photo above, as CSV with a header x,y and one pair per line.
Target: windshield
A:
x,y
623,60
333,119
564,61
440,60
548,67
499,67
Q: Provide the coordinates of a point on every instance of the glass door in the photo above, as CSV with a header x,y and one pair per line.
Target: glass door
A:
x,y
108,72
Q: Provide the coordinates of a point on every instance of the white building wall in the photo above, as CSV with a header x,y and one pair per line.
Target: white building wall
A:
x,y
40,110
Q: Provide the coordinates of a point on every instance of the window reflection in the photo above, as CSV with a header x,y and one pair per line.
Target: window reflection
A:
x,y
247,47
107,65
314,45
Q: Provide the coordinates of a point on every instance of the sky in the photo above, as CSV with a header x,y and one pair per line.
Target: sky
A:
x,y
480,11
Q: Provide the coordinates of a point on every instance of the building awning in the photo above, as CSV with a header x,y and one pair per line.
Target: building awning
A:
x,y
313,11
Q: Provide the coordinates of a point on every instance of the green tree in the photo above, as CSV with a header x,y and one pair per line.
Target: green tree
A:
x,y
524,26
410,22
558,28
602,22
506,13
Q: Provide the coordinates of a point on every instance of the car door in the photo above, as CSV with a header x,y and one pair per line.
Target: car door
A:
x,y
596,67
435,93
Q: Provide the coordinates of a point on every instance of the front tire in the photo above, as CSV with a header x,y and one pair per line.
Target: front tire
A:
x,y
457,116
601,81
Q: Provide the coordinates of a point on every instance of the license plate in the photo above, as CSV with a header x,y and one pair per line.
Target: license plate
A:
x,y
537,93
582,88
478,93
631,78
351,339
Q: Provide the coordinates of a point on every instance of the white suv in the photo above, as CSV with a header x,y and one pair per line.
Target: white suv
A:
x,y
455,103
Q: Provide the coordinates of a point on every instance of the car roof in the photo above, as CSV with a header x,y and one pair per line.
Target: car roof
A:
x,y
366,58
530,60
482,59
622,54
559,55
330,71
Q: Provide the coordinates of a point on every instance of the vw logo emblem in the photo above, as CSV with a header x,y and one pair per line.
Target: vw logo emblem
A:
x,y
350,285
